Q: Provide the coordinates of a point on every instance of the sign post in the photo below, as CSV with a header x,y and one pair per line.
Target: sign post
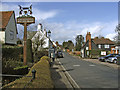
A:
x,y
25,20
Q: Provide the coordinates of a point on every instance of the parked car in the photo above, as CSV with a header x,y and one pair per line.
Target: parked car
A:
x,y
59,54
113,59
102,59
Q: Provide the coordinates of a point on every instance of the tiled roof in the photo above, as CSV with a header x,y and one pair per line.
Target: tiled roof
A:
x,y
102,41
4,18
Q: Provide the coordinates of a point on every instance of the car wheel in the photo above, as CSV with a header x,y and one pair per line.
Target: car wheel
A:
x,y
115,61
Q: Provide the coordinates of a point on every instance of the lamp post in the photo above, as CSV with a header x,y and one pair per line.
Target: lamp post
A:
x,y
49,34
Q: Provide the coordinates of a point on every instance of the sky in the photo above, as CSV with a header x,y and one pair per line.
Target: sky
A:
x,y
66,20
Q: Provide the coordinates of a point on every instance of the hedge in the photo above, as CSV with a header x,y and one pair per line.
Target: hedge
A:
x,y
29,51
42,80
12,52
40,54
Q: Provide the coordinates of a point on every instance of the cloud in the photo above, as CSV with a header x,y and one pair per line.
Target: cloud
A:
x,y
39,15
111,36
69,30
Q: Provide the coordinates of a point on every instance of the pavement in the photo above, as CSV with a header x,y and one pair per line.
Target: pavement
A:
x,y
58,76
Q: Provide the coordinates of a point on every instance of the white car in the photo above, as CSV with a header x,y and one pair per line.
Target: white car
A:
x,y
113,59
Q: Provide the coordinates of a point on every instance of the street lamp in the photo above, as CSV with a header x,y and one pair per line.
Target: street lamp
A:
x,y
49,34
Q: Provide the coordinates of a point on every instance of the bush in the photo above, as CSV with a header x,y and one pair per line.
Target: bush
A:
x,y
40,54
42,80
94,53
9,67
29,51
12,52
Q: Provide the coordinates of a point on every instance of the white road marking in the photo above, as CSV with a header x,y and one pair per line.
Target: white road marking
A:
x,y
92,65
76,65
76,85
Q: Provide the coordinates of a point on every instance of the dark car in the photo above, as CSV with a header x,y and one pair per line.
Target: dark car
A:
x,y
59,54
102,59
113,59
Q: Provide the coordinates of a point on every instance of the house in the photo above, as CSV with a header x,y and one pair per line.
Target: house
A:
x,y
116,48
42,36
103,44
8,28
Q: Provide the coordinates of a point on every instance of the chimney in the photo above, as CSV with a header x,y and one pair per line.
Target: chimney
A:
x,y
45,33
88,37
39,27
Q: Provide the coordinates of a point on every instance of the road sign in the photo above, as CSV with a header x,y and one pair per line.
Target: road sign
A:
x,y
25,19
22,20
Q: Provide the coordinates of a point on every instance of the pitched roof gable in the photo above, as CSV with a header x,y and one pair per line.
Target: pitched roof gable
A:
x,y
102,41
4,18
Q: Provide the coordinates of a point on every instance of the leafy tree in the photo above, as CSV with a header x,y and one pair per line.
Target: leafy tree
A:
x,y
65,44
79,42
68,45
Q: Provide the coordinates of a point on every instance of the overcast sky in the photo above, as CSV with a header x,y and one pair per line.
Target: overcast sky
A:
x,y
66,20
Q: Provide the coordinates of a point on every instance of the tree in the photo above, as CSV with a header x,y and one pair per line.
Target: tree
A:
x,y
42,42
65,44
79,42
37,42
68,45
117,38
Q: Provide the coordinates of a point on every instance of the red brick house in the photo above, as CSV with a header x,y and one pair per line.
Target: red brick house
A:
x,y
103,44
115,50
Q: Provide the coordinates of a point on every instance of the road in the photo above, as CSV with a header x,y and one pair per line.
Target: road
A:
x,y
90,75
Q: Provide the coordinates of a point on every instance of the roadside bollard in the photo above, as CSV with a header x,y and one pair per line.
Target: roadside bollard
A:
x,y
33,73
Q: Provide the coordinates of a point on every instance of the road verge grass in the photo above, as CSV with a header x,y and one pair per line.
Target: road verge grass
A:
x,y
42,80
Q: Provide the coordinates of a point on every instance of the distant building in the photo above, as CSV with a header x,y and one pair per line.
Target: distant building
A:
x,y
8,29
116,49
96,43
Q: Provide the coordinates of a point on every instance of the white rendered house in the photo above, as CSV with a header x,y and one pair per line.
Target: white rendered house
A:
x,y
43,35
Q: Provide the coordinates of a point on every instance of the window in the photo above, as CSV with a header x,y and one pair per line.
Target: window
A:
x,y
99,46
11,35
106,46
86,48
